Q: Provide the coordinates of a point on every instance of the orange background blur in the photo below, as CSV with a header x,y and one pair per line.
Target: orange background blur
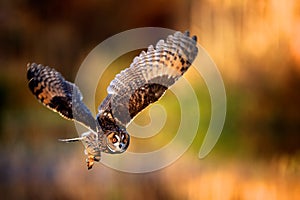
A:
x,y
256,46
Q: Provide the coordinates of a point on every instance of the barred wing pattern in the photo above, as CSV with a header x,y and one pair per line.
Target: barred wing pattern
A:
x,y
59,95
143,83
147,78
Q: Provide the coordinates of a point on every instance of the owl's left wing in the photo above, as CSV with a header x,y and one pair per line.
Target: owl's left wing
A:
x,y
147,79
59,95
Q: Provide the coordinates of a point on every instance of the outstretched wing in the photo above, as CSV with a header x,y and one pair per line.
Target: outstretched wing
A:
x,y
59,95
147,78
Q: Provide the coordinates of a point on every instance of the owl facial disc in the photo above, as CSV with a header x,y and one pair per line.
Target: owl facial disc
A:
x,y
117,142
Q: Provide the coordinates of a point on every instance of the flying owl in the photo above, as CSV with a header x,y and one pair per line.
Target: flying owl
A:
x,y
133,89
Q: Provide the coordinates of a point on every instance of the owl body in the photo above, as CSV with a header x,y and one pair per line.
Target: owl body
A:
x,y
133,89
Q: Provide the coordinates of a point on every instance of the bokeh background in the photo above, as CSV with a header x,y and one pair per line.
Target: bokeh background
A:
x,y
256,46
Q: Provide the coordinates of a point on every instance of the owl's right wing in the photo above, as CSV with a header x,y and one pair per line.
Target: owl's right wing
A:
x,y
146,80
59,95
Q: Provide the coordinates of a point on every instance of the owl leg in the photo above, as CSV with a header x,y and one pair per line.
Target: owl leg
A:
x,y
91,159
91,144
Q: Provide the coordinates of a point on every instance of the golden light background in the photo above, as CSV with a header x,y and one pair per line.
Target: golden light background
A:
x,y
256,46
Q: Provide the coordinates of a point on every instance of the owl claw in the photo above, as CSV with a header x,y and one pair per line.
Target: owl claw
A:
x,y
90,162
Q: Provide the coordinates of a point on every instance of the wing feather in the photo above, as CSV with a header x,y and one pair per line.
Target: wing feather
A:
x,y
147,78
59,95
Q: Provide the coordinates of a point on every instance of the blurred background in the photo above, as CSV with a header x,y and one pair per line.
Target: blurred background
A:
x,y
256,46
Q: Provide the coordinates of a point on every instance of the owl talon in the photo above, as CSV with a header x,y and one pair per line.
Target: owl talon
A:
x,y
90,162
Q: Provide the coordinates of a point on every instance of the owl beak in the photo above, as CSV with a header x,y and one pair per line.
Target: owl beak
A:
x,y
122,147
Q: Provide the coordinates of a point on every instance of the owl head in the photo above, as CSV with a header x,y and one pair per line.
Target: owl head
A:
x,y
117,141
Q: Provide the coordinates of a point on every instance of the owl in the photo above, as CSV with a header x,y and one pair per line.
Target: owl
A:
x,y
133,89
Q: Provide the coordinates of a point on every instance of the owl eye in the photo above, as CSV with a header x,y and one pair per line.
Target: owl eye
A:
x,y
114,140
125,140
